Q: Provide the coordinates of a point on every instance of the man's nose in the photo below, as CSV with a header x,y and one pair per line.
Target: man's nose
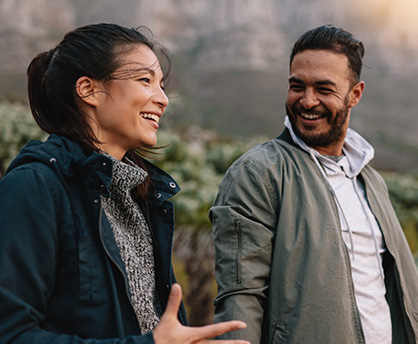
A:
x,y
309,99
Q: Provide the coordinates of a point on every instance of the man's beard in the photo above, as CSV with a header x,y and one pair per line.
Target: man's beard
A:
x,y
321,139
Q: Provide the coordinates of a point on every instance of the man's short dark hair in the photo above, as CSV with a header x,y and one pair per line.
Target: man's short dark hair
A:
x,y
334,39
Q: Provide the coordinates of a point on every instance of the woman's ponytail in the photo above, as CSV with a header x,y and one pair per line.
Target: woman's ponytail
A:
x,y
37,88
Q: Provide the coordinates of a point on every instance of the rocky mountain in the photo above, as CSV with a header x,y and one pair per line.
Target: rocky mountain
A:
x,y
248,34
231,57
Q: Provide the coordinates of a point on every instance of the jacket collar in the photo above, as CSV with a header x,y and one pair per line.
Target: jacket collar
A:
x,y
164,186
70,159
357,150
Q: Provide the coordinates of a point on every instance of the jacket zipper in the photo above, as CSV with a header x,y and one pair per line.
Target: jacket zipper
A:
x,y
110,256
349,275
156,252
154,242
357,322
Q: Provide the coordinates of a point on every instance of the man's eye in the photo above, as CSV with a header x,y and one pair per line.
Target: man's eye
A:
x,y
147,80
296,88
324,90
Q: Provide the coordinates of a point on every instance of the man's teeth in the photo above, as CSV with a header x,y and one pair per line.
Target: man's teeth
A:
x,y
310,116
151,116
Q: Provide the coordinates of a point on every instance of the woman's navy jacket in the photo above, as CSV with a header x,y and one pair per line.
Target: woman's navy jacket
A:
x,y
62,279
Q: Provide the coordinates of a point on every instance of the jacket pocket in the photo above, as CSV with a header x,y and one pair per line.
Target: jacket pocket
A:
x,y
279,335
85,271
238,241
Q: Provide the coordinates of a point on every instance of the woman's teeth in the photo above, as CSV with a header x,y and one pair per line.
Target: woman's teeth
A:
x,y
150,116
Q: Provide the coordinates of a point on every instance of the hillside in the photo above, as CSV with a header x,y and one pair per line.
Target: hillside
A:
x,y
231,58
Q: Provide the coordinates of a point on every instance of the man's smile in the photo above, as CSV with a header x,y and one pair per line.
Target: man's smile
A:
x,y
311,116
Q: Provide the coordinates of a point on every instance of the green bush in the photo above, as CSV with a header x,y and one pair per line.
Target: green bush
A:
x,y
198,159
403,191
17,127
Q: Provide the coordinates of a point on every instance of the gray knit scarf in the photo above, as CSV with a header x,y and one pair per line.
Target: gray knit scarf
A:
x,y
134,241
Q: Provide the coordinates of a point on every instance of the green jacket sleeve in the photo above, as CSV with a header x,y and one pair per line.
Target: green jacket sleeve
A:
x,y
244,218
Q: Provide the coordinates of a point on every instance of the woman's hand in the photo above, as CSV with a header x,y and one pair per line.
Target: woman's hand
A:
x,y
171,331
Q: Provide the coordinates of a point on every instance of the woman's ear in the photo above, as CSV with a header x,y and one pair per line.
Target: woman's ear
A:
x,y
86,89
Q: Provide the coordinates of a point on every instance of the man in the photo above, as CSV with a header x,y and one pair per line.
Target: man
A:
x,y
308,247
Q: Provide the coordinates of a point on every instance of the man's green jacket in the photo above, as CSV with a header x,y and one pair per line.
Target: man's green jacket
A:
x,y
281,262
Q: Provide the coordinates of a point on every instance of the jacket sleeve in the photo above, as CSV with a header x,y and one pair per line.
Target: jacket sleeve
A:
x,y
28,256
244,220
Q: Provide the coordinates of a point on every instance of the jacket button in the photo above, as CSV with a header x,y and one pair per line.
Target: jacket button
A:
x,y
96,201
172,185
157,195
164,212
52,160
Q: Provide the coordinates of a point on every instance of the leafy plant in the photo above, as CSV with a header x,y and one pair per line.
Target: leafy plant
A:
x,y
17,127
403,191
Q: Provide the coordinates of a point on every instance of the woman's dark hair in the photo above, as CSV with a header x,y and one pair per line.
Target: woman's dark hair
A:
x,y
334,39
93,51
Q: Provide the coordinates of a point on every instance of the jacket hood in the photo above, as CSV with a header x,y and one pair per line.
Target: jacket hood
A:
x,y
357,150
68,158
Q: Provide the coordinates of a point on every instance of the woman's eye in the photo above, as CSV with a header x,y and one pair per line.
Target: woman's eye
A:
x,y
146,80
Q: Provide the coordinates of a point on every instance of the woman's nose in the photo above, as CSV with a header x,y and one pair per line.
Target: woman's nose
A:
x,y
161,98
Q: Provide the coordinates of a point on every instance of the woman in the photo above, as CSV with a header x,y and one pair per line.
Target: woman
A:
x,y
85,223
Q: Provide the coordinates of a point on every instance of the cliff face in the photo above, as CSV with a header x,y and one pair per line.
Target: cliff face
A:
x,y
249,34
232,56
256,33
30,25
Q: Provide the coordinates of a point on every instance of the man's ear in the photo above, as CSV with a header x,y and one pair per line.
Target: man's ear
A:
x,y
86,89
355,94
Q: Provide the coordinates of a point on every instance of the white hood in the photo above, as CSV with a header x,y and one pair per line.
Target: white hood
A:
x,y
357,150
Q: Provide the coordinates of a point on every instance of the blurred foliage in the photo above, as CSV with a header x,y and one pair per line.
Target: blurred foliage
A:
x,y
17,127
403,192
198,159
